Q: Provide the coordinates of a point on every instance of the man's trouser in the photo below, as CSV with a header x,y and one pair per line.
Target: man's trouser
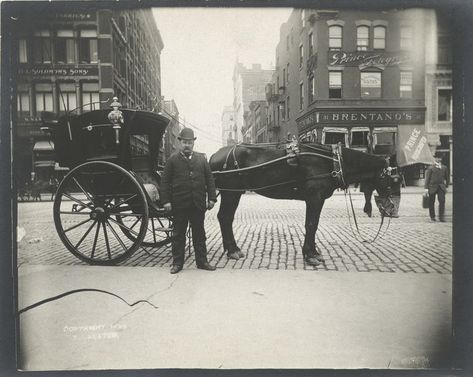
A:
x,y
441,198
196,218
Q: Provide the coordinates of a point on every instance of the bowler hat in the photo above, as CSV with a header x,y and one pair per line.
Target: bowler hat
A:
x,y
186,134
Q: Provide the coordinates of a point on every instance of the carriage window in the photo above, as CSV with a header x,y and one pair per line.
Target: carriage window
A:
x,y
139,145
334,138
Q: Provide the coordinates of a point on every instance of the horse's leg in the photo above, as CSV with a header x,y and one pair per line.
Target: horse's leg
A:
x,y
226,214
368,209
312,216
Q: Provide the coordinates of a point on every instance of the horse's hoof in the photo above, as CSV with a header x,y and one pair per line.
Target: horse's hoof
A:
x,y
233,255
313,261
241,254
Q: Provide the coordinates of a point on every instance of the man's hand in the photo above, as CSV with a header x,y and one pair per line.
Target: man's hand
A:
x,y
167,207
210,204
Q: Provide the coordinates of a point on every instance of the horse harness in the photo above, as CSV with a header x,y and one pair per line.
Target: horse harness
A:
x,y
293,154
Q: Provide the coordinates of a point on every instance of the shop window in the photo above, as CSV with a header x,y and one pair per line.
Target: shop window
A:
x,y
360,138
64,47
334,137
370,84
301,96
379,38
362,38
90,96
335,84
67,97
406,38
88,50
44,97
384,140
406,84
311,88
42,47
22,51
444,105
335,37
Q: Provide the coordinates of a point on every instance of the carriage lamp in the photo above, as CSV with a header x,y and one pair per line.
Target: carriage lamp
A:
x,y
116,118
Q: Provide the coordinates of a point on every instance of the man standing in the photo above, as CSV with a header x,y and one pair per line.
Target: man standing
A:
x,y
187,180
436,183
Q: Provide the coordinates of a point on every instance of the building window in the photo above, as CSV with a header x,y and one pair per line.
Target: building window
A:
x,y
362,38
22,51
282,110
406,84
360,137
335,85
301,96
42,47
90,96
406,38
44,97
67,97
301,55
311,88
444,105
23,100
334,136
287,108
284,77
335,37
64,47
311,43
88,51
287,73
379,38
370,84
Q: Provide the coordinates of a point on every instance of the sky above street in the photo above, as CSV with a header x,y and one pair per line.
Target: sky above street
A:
x,y
201,46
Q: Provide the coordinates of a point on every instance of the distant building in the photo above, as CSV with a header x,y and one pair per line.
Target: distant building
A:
x,y
256,122
170,141
358,76
248,85
79,60
229,128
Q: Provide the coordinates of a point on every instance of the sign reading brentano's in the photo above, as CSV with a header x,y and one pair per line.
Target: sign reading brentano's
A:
x,y
362,116
366,59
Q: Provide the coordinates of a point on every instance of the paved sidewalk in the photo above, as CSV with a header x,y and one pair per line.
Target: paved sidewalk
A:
x,y
232,319
271,233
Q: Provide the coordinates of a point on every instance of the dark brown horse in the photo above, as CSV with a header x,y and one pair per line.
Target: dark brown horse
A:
x,y
309,172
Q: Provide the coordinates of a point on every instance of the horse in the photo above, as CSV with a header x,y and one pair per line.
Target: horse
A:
x,y
301,171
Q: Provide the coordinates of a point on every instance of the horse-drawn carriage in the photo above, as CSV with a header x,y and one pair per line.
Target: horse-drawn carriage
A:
x,y
108,205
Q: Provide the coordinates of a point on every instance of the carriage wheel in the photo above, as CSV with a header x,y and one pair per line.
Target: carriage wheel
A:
x,y
87,204
159,233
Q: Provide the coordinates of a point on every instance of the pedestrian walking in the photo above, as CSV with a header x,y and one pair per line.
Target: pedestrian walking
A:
x,y
436,184
188,190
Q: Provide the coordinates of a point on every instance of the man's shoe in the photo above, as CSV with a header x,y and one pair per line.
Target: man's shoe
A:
x,y
176,268
206,266
233,255
442,220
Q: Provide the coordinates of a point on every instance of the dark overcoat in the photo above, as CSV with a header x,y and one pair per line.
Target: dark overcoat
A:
x,y
187,182
436,179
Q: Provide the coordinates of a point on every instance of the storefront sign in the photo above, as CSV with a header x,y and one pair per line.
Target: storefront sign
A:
x,y
366,59
413,147
364,117
63,72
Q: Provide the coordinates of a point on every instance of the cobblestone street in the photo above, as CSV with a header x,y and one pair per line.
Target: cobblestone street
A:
x,y
271,233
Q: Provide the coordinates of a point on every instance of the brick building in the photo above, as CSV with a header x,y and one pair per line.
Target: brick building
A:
x,y
79,60
355,77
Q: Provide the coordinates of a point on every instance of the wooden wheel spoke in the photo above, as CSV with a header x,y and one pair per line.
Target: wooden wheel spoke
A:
x,y
82,189
106,241
124,227
116,236
85,235
76,200
124,201
95,241
154,233
77,225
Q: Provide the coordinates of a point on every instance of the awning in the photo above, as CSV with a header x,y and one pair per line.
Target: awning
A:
x,y
340,130
44,164
359,129
43,145
379,130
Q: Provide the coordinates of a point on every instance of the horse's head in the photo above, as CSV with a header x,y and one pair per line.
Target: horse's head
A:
x,y
388,186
